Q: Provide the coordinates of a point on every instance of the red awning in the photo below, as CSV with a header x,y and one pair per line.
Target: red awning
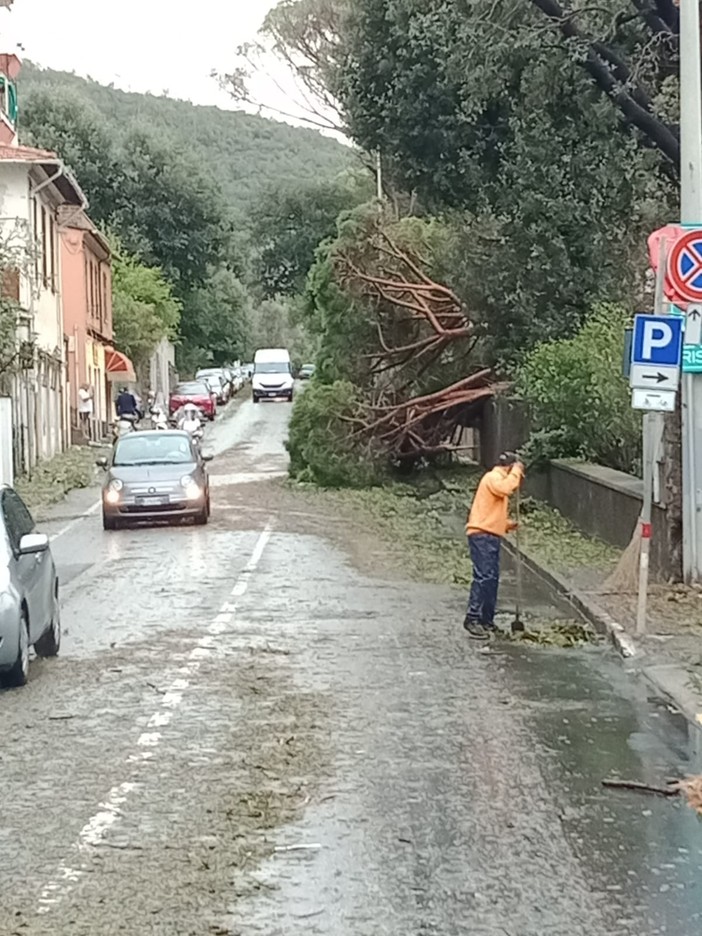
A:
x,y
119,367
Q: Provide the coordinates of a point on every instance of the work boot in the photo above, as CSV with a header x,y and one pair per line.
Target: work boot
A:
x,y
475,629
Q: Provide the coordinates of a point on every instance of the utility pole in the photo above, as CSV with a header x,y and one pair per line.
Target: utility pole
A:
x,y
379,174
691,214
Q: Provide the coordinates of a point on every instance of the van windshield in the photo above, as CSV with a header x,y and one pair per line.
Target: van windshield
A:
x,y
271,367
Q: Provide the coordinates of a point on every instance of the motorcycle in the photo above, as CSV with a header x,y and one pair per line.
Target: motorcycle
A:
x,y
123,426
192,424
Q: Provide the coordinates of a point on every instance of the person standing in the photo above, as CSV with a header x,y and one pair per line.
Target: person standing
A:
x,y
488,522
85,409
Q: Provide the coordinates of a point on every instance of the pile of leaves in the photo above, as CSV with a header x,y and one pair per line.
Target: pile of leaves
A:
x,y
564,634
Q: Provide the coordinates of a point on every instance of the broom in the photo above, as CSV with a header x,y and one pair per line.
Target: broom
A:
x,y
517,623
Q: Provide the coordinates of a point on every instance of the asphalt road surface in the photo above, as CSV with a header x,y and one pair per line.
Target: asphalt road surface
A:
x,y
258,727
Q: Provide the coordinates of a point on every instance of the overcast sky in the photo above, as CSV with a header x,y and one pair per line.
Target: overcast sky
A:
x,y
139,45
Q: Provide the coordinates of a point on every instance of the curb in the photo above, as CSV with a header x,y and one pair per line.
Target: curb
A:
x,y
669,680
582,603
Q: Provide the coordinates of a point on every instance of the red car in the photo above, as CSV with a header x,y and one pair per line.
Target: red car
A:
x,y
196,392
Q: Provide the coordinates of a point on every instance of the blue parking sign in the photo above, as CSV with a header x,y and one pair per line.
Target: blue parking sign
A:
x,y
657,340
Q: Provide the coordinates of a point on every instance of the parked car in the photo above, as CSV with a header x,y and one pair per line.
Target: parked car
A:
x,y
197,392
29,591
155,476
219,381
306,372
237,378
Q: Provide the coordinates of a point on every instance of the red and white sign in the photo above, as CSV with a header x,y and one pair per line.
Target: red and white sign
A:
x,y
684,272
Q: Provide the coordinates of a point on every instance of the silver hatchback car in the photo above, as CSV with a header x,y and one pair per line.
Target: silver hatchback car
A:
x,y
29,591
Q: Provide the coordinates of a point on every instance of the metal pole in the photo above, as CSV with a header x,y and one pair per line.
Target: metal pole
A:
x,y
644,552
650,424
691,213
379,173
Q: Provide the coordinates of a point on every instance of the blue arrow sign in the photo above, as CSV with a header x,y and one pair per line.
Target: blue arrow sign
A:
x,y
657,340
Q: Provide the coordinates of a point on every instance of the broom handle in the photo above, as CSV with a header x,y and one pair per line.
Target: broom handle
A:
x,y
519,556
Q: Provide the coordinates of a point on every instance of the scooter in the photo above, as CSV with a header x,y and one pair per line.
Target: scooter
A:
x,y
159,420
123,426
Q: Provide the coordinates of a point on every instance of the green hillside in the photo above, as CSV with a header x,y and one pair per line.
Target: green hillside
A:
x,y
245,153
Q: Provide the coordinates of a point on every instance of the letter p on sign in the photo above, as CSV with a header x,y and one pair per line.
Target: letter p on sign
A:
x,y
656,335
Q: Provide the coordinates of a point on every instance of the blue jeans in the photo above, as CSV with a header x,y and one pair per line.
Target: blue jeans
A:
x,y
485,556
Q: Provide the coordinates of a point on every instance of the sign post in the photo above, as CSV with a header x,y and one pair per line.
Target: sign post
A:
x,y
691,214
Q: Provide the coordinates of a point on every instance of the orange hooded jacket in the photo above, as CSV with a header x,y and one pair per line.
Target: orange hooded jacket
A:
x,y
488,513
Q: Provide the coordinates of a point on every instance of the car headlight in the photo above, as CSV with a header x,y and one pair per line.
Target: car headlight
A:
x,y
192,489
115,485
112,491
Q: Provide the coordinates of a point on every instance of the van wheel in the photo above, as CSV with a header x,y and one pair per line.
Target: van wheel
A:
x,y
290,398
256,399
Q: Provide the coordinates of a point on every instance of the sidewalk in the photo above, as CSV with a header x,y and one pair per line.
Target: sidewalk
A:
x,y
669,655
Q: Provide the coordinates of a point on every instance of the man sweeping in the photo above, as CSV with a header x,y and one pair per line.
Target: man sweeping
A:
x,y
488,522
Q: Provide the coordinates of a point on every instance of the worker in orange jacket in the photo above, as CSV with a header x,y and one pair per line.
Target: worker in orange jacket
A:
x,y
488,522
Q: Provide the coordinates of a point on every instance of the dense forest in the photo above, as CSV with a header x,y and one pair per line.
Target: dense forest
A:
x,y
245,153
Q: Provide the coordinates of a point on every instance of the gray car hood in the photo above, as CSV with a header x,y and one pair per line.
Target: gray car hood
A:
x,y
134,474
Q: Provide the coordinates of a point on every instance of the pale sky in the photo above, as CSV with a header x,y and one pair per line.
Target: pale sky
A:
x,y
140,45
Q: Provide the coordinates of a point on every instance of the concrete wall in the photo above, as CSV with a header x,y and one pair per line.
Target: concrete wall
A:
x,y
603,503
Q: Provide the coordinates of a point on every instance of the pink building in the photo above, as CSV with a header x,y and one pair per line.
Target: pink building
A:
x,y
86,264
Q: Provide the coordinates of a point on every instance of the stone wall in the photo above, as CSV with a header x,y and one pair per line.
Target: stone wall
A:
x,y
603,503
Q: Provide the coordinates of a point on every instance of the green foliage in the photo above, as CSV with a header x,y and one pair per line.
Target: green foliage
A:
x,y
242,154
493,122
322,450
144,307
275,323
578,397
288,224
216,322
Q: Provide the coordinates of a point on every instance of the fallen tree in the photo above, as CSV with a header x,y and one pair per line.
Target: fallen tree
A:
x,y
416,369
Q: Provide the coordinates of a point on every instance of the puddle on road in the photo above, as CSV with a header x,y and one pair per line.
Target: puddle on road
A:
x,y
594,721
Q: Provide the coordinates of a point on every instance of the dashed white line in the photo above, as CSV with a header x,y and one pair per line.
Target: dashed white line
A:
x,y
93,833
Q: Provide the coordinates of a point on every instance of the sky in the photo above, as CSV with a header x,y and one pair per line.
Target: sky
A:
x,y
142,45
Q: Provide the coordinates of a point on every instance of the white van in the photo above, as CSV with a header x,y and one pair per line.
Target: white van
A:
x,y
272,375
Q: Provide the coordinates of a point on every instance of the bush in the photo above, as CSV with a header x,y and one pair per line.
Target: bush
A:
x,y
579,400
321,444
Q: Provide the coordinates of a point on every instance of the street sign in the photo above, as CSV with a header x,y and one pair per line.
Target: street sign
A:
x,y
685,266
651,377
692,359
693,325
659,401
657,340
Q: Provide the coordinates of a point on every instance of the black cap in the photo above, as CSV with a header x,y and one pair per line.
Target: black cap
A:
x,y
507,458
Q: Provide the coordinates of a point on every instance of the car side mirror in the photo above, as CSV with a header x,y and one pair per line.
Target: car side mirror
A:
x,y
208,457
101,463
33,543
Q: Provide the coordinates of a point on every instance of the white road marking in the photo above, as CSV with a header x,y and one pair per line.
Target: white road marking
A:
x,y
74,523
93,833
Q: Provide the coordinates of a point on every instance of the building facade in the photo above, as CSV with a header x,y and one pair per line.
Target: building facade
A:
x,y
86,262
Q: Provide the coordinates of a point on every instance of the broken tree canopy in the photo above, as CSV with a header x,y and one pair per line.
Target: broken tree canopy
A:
x,y
399,334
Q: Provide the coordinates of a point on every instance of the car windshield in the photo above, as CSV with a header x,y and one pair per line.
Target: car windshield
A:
x,y
191,389
161,448
281,367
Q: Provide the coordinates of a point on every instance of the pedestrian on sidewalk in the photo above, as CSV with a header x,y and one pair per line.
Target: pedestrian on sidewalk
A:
x,y
85,408
488,522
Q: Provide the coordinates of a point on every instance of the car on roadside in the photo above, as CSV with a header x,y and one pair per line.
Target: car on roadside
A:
x,y
306,372
155,476
197,392
29,591
219,381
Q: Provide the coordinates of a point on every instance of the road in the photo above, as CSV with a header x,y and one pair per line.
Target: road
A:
x,y
259,727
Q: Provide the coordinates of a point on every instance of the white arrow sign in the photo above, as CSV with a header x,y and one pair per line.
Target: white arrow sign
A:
x,y
693,325
651,377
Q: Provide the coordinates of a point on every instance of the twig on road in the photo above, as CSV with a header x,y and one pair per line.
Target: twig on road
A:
x,y
613,782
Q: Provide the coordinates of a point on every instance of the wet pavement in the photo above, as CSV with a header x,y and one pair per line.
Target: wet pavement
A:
x,y
249,732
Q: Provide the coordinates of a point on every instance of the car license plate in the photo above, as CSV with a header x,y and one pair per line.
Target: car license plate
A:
x,y
150,501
